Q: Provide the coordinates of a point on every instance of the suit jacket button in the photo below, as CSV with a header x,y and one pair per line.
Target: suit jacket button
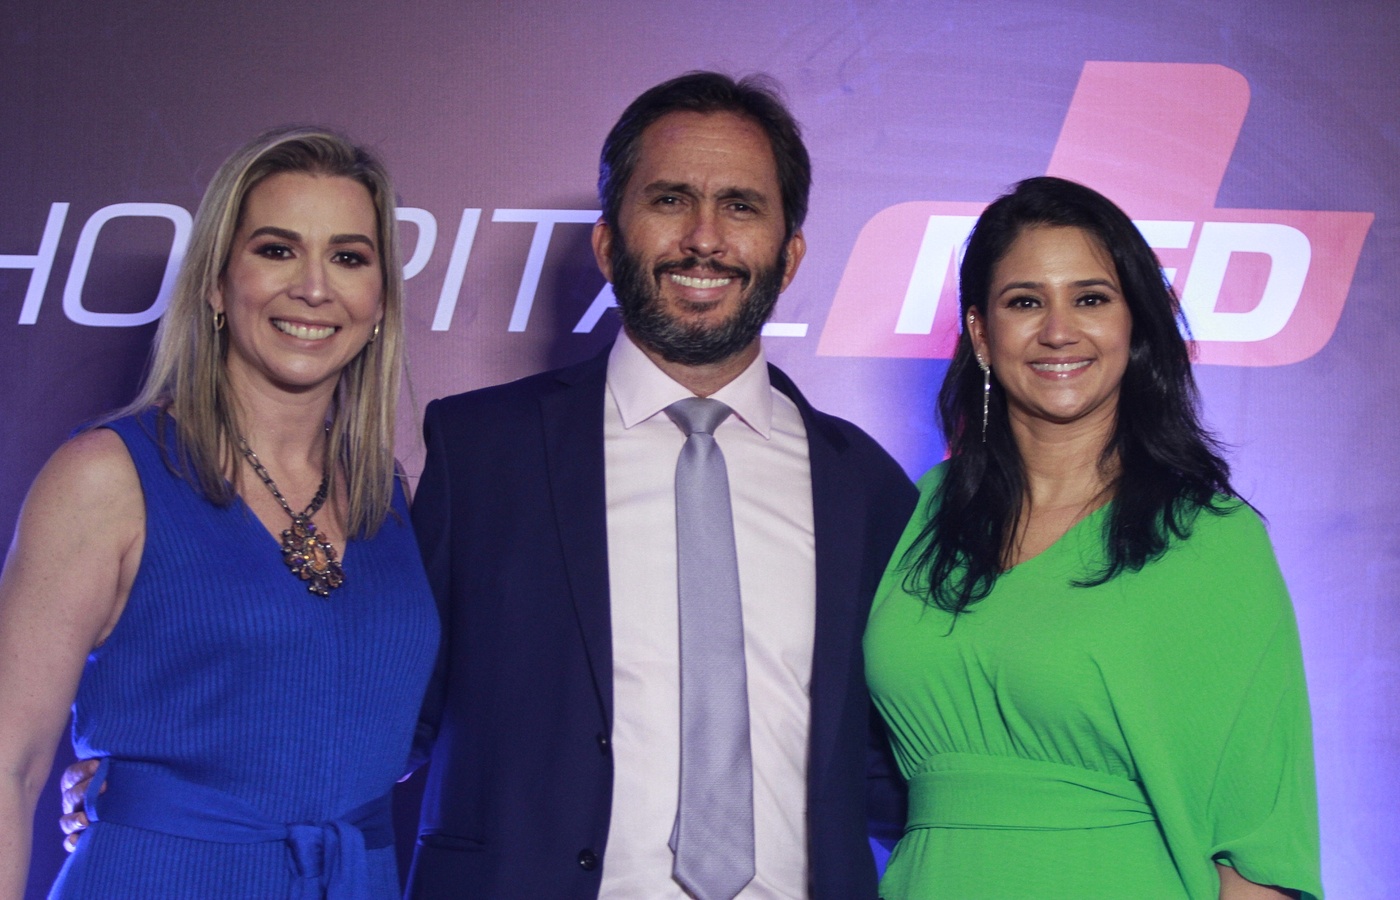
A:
x,y
587,860
603,743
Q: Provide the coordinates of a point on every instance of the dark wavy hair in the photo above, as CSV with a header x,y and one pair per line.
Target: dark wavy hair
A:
x,y
756,97
1168,466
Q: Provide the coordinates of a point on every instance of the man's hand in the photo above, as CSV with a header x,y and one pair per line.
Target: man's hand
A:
x,y
75,784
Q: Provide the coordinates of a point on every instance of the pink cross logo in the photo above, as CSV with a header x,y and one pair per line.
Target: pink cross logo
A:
x,y
1259,287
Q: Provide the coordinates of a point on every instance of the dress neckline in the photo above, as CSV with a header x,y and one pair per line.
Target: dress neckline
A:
x,y
1057,546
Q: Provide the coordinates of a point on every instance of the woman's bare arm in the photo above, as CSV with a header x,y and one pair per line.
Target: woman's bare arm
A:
x,y
1234,886
75,552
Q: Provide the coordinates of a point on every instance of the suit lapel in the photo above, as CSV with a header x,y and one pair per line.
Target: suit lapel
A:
x,y
572,417
573,433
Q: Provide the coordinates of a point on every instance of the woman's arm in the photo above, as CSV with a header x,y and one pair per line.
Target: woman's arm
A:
x,y
1234,886
75,552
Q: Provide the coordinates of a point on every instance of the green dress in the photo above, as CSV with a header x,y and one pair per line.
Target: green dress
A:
x,y
1109,742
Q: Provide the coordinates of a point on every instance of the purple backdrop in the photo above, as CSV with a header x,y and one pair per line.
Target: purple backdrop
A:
x,y
1258,152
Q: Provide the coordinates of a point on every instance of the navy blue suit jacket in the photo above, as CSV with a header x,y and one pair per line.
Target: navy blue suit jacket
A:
x,y
510,516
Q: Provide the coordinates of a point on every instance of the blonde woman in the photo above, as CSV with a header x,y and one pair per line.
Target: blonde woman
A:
x,y
238,616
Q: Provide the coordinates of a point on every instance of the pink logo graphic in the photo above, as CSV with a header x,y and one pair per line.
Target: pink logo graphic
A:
x,y
1259,287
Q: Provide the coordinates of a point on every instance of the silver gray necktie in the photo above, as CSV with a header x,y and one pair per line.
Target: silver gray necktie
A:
x,y
713,837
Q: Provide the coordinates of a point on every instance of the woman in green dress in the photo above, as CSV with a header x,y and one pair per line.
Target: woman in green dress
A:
x,y
1083,648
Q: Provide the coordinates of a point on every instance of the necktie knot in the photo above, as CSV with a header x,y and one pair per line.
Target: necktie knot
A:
x,y
698,415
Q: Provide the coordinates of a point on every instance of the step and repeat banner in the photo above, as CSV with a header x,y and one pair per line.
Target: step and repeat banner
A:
x,y
1256,145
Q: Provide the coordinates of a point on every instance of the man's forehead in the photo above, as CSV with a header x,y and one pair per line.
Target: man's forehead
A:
x,y
685,144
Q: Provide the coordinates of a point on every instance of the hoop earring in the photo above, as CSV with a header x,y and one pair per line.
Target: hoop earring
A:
x,y
986,395
374,335
219,320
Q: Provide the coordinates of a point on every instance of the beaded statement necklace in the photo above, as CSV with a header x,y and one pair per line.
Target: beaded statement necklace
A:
x,y
305,550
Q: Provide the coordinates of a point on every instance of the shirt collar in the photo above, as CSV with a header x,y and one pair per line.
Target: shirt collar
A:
x,y
641,389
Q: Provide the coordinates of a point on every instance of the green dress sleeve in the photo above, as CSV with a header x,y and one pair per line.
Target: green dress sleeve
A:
x,y
1216,716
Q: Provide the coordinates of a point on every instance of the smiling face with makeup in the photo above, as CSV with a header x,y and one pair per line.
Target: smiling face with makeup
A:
x,y
1057,329
303,286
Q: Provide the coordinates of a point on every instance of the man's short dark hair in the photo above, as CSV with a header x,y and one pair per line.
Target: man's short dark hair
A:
x,y
756,97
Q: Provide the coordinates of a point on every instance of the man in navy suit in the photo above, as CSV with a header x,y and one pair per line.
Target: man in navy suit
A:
x,y
546,519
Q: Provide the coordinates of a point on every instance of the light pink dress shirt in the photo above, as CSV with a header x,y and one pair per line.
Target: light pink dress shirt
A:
x,y
765,449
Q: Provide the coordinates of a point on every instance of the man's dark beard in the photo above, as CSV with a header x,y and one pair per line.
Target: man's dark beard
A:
x,y
639,301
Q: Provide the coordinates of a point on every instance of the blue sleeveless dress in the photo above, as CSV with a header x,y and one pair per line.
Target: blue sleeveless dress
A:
x,y
231,699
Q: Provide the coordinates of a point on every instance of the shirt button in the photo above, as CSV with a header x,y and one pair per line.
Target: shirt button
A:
x,y
587,860
603,743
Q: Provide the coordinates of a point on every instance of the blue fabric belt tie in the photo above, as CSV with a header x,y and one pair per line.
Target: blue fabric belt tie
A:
x,y
328,857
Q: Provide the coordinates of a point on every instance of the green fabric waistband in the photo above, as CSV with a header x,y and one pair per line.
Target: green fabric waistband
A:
x,y
969,790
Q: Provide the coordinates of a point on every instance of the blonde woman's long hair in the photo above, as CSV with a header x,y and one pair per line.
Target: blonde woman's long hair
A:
x,y
187,377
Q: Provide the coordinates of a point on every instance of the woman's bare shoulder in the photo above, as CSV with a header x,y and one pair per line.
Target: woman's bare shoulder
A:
x,y
89,482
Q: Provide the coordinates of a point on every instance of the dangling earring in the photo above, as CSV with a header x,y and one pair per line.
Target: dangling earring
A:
x,y
374,335
219,319
986,377
986,395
